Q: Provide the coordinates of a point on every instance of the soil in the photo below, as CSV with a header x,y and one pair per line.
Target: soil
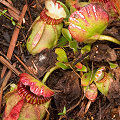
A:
x,y
67,83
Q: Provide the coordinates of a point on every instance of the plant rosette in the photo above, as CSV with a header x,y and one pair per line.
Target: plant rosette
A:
x,y
28,101
47,27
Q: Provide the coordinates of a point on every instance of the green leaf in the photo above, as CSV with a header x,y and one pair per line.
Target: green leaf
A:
x,y
11,18
66,10
13,23
4,11
12,87
62,41
66,34
74,46
112,65
62,65
61,114
64,111
99,74
0,115
62,57
85,80
103,85
84,69
86,48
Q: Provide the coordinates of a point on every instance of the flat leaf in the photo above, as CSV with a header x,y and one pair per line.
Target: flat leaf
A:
x,y
86,48
112,65
79,65
62,41
62,65
64,110
62,57
66,10
4,11
61,114
87,78
74,45
66,34
103,85
99,74
83,69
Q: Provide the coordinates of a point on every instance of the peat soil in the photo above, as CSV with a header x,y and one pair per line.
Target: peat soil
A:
x,y
66,81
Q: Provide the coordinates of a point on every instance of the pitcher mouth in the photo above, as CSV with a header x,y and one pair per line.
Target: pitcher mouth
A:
x,y
30,97
54,13
49,20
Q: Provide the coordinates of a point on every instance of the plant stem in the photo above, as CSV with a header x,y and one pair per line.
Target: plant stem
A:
x,y
49,72
105,37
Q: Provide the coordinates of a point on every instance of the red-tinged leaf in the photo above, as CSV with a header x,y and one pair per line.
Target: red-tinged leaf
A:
x,y
88,78
38,35
109,6
14,114
99,1
12,98
116,5
89,21
79,65
33,112
17,110
91,92
103,84
44,17
30,97
36,86
99,74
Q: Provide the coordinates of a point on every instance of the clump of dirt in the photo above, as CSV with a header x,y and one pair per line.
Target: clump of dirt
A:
x,y
42,62
114,88
70,91
102,52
